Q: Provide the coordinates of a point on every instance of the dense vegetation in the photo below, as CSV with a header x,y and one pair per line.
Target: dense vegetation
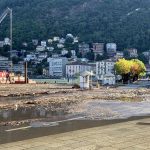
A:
x,y
126,22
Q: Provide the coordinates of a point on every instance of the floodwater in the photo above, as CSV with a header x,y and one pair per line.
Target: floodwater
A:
x,y
68,118
31,113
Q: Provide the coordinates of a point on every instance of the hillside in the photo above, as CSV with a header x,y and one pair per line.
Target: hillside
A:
x,y
126,22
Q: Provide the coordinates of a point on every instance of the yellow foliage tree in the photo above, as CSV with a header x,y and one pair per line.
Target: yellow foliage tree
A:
x,y
138,67
130,69
123,66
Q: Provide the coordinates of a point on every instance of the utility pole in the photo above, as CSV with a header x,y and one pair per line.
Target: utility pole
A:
x,y
26,72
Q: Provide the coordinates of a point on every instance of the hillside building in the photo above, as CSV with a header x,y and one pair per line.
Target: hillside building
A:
x,y
98,48
111,49
84,48
57,66
104,67
74,69
133,52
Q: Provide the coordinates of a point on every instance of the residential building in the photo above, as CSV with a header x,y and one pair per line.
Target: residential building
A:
x,y
133,52
57,66
69,36
30,57
14,53
84,48
50,49
56,39
35,42
25,44
59,45
42,56
109,79
62,41
119,55
50,41
75,68
64,52
98,48
46,72
104,67
40,48
7,41
146,54
5,65
18,68
1,44
111,49
93,67
2,58
73,53
43,43
55,55
76,40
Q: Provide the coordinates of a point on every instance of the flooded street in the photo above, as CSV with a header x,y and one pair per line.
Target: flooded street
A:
x,y
30,111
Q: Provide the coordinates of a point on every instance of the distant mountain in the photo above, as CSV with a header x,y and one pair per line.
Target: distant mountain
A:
x,y
126,22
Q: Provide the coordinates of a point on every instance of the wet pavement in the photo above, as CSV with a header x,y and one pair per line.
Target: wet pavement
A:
x,y
131,135
55,119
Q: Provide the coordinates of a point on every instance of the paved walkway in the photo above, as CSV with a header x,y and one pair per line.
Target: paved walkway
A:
x,y
133,135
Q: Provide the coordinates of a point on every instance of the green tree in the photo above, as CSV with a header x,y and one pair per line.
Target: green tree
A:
x,y
90,56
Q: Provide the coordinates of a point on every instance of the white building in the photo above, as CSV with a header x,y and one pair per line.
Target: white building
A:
x,y
42,56
56,39
119,55
50,49
40,48
30,57
76,40
133,52
109,79
50,41
59,45
57,66
73,52
43,43
111,49
104,67
64,52
69,35
6,41
75,68
62,41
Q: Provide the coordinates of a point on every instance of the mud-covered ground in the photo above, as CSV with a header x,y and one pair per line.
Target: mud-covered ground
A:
x,y
12,96
21,104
